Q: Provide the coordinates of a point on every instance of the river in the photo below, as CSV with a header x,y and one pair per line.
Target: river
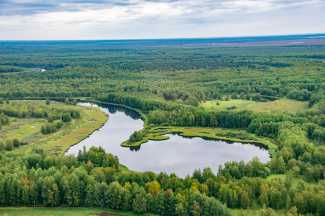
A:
x,y
177,155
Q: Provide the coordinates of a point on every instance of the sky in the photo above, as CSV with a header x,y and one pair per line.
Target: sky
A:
x,y
146,19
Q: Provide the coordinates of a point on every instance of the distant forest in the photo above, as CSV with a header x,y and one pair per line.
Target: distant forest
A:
x,y
167,85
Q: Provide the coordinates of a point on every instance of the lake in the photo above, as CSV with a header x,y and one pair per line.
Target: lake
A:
x,y
177,155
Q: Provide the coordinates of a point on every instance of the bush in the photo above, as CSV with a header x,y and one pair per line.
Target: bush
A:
x,y
231,108
66,117
48,102
23,143
43,129
15,142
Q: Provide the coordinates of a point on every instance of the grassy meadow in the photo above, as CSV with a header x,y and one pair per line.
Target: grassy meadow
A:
x,y
278,105
62,211
29,129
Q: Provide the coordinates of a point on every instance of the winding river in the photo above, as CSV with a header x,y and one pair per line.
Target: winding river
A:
x,y
177,155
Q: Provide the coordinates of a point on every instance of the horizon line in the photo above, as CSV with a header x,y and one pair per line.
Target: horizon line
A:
x,y
172,38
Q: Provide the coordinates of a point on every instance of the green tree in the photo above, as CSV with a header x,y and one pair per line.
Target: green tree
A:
x,y
74,184
264,199
153,188
196,209
2,146
212,207
281,166
99,194
25,195
48,102
139,204
207,173
180,210
9,145
288,202
244,200
275,198
56,194
300,203
49,198
67,101
127,200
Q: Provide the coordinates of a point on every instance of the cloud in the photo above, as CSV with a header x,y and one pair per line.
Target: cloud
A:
x,y
103,16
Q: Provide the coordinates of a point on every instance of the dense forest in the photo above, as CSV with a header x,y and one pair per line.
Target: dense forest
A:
x,y
167,86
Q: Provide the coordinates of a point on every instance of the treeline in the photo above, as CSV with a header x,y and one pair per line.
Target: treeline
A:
x,y
196,117
172,75
11,144
27,110
135,102
300,95
10,69
181,115
93,179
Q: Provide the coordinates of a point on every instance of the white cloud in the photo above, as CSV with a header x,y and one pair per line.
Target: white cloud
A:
x,y
157,18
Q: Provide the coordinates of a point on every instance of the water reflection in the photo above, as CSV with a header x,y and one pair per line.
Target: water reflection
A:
x,y
134,148
176,155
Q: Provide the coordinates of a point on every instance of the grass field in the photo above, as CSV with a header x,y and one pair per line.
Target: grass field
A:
x,y
61,211
29,130
157,133
254,212
278,105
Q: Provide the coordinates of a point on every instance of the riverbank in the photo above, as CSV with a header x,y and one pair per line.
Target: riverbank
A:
x,y
159,132
29,129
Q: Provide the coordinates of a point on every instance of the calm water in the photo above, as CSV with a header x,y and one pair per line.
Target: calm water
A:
x,y
176,155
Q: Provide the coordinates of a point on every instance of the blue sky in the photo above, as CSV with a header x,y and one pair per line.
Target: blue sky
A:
x,y
138,19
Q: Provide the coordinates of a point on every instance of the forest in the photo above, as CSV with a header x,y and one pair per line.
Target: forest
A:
x,y
169,87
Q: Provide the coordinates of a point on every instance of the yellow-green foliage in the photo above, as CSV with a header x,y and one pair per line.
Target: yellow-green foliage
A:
x,y
282,105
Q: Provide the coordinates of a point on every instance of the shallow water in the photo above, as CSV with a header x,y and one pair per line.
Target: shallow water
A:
x,y
176,155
